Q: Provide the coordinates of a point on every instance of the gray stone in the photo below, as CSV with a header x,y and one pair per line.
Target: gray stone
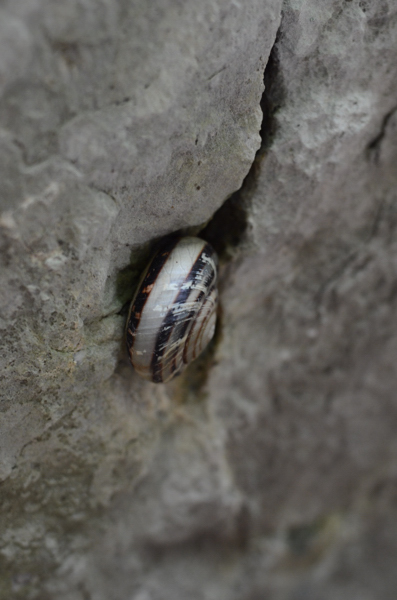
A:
x,y
267,470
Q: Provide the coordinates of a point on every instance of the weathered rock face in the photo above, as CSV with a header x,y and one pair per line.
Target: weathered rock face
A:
x,y
268,470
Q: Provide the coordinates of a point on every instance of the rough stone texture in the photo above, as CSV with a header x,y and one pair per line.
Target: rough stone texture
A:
x,y
269,470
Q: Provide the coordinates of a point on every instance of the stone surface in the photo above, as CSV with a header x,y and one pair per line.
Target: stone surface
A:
x,y
268,470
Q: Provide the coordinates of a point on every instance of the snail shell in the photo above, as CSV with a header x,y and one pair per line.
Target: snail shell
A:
x,y
173,313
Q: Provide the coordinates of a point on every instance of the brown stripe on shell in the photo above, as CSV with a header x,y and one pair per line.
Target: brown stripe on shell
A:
x,y
168,324
188,321
202,326
190,333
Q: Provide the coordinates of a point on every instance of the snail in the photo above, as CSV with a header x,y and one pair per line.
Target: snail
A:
x,y
173,312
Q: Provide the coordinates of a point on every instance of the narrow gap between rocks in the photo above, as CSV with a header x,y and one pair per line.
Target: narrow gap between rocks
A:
x,y
373,148
227,229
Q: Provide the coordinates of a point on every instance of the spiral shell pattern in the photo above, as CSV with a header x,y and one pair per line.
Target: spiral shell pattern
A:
x,y
173,313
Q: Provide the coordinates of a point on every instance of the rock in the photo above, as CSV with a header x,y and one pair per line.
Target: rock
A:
x,y
267,470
